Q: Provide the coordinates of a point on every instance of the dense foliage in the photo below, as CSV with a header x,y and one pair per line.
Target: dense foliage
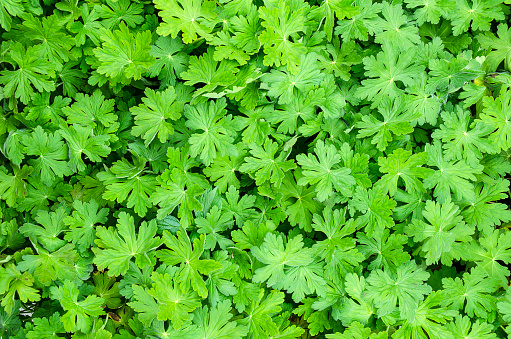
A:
x,y
255,169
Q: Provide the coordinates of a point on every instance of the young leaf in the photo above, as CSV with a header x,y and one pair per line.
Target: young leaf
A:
x,y
81,140
325,171
79,313
497,117
151,116
123,55
264,166
442,234
406,286
82,223
51,154
473,293
191,17
117,246
280,22
489,252
217,134
14,282
452,179
191,267
428,320
33,71
404,165
385,71
13,187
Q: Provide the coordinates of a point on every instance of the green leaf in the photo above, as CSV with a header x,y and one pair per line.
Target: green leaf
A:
x,y
223,172
276,256
117,246
299,201
388,249
428,320
145,304
338,249
220,283
217,136
259,322
126,181
215,323
191,267
443,30
286,85
427,11
33,72
51,154
504,306
497,117
213,226
404,286
206,70
338,60
9,8
82,223
107,288
79,313
47,327
448,76
443,232
174,191
121,10
376,208
324,170
396,28
500,46
263,166
48,33
91,110
239,206
478,15
14,282
331,9
90,28
396,120
13,187
123,55
472,294
170,60
464,327
187,166
81,140
452,179
423,103
191,17
357,331
489,252
281,22
405,166
244,42
48,266
385,71
50,228
460,140
362,25
358,307
151,116
484,211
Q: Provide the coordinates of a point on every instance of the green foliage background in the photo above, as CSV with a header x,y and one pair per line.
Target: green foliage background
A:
x,y
255,169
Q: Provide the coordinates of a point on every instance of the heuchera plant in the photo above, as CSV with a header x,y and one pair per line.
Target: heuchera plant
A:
x,y
229,169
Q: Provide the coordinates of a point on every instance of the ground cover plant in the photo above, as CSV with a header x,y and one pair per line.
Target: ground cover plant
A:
x,y
255,169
